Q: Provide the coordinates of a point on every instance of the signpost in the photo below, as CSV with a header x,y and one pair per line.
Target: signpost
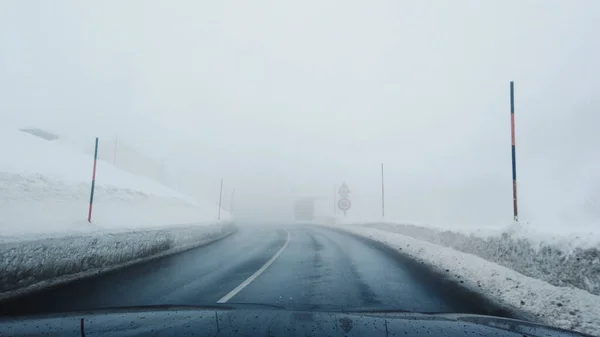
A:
x,y
382,194
344,203
334,201
93,181
512,148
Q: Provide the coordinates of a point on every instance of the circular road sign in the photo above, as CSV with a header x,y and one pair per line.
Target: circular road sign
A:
x,y
344,204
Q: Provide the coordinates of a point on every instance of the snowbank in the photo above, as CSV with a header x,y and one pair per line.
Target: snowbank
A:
x,y
45,186
559,260
44,234
30,265
563,307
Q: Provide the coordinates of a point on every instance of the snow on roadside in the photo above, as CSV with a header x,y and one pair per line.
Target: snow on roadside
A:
x,y
562,307
564,261
566,236
31,265
45,238
44,191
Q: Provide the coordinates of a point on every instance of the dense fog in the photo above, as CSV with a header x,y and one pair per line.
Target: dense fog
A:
x,y
284,100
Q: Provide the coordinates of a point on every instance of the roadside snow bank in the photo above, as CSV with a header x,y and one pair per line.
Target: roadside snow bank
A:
x,y
44,234
559,260
562,307
30,265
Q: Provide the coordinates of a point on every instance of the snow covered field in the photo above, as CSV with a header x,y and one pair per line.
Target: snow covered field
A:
x,y
564,307
44,234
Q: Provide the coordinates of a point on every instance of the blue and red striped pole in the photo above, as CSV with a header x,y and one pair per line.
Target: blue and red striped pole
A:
x,y
514,155
93,181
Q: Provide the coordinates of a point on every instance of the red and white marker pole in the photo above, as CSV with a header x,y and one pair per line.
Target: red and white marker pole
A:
x,y
513,150
93,181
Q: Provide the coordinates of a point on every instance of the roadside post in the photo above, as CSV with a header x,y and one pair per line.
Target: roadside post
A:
x,y
513,151
334,201
93,181
382,194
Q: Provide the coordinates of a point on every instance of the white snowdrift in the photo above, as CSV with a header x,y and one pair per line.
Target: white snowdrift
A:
x,y
30,265
44,234
45,188
561,261
563,307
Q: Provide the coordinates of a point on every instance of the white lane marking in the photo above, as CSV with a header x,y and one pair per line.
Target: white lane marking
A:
x,y
256,274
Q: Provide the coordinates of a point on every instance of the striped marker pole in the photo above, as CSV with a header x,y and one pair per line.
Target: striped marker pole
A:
x,y
382,194
334,200
514,156
93,181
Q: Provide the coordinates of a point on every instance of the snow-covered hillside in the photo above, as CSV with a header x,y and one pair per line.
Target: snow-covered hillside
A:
x,y
45,186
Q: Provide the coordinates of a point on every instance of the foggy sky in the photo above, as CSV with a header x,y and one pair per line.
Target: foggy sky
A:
x,y
285,99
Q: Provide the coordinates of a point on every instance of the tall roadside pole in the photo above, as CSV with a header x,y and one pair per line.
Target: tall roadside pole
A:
x,y
514,155
93,181
382,194
334,200
220,199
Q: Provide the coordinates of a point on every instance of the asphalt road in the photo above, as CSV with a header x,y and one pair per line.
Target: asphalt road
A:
x,y
287,266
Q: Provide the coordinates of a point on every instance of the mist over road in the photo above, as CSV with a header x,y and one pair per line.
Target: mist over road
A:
x,y
288,266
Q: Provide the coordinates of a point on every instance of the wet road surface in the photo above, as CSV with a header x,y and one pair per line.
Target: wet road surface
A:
x,y
286,266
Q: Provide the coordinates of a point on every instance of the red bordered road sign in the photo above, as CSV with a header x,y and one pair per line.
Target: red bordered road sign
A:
x,y
344,204
344,190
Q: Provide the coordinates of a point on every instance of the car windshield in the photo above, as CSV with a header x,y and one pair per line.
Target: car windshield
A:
x,y
377,156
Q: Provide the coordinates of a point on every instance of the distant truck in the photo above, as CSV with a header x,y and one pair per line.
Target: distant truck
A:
x,y
304,209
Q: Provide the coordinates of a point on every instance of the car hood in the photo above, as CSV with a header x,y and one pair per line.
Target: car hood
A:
x,y
260,320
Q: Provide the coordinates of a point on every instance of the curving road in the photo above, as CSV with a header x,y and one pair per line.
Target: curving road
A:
x,y
286,266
